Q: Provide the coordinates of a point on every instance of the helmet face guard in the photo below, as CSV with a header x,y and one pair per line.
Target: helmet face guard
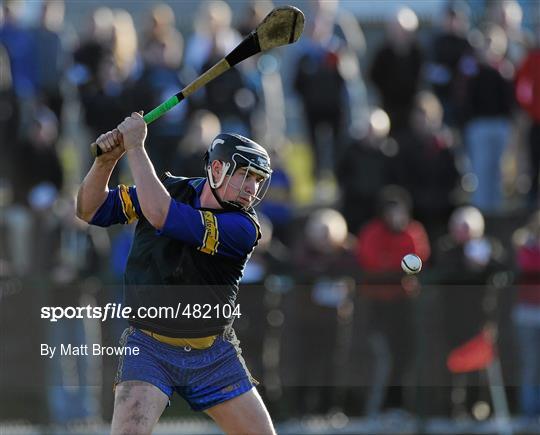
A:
x,y
236,152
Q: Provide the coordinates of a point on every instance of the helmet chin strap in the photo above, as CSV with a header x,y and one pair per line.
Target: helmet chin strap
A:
x,y
227,205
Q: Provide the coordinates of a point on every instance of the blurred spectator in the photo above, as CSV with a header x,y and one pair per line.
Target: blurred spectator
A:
x,y
161,27
159,80
448,50
254,12
527,88
468,266
268,121
527,314
401,52
381,245
18,41
75,253
9,121
326,237
51,55
160,21
263,77
269,259
229,95
203,127
425,165
38,155
384,241
125,54
363,170
278,204
321,311
488,110
36,183
465,261
212,27
348,30
320,84
230,98
508,14
103,63
94,46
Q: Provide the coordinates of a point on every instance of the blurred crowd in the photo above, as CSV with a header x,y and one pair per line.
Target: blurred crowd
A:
x,y
425,141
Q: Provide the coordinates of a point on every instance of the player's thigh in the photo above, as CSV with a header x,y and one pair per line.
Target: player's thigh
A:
x,y
137,407
244,414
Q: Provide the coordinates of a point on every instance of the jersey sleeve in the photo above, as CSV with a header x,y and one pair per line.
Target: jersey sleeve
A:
x,y
120,207
230,233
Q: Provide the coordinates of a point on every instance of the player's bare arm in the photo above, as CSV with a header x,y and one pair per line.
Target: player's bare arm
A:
x,y
153,197
94,188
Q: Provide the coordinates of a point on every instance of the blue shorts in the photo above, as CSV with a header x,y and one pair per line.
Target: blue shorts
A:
x,y
203,378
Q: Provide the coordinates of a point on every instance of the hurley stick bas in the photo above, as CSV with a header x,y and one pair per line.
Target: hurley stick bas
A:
x,y
282,26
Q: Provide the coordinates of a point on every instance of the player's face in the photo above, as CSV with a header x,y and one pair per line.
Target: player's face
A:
x,y
242,187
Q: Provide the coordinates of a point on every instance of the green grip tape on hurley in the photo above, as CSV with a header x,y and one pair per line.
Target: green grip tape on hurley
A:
x,y
162,109
149,117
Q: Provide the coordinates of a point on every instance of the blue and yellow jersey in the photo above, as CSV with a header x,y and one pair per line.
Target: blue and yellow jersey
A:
x,y
230,234
198,257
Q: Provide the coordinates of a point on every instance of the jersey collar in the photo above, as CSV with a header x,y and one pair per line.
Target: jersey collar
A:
x,y
197,184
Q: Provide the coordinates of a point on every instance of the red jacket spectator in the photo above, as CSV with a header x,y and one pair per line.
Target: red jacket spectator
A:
x,y
528,85
528,261
380,249
384,241
528,258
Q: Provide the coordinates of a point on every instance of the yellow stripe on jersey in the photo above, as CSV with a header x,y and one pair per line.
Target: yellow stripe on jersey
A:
x,y
257,229
127,204
211,234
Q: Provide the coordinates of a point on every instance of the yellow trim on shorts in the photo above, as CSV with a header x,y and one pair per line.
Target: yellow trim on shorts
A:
x,y
127,204
211,233
194,343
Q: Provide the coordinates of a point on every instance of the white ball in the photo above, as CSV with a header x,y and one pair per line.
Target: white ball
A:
x,y
411,264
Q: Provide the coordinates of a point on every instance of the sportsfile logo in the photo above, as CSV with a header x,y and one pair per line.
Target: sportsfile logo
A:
x,y
119,311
